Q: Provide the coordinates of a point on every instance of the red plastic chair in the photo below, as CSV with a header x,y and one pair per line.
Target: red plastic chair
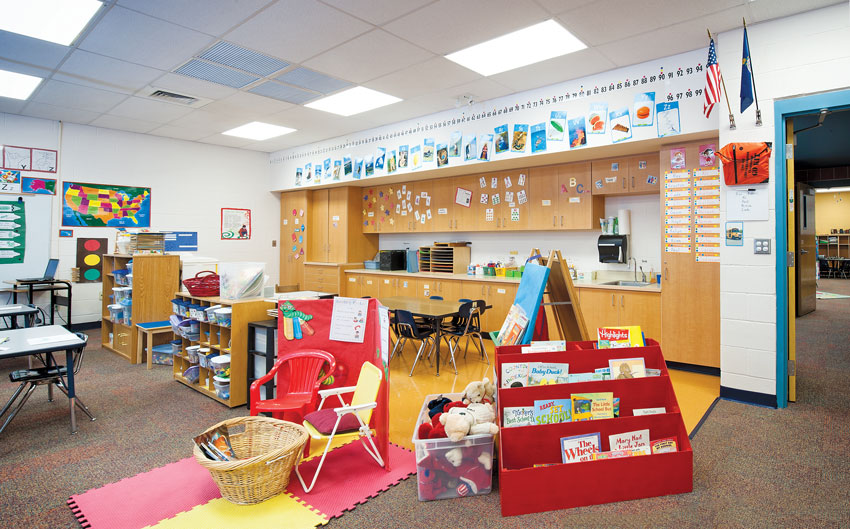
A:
x,y
301,394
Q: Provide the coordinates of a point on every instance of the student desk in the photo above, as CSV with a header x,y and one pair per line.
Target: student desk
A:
x,y
44,285
45,340
14,311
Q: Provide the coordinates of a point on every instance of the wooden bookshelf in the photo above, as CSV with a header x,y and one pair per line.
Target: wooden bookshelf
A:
x,y
834,245
154,279
444,258
232,340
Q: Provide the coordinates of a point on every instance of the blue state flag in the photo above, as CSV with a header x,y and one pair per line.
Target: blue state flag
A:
x,y
746,76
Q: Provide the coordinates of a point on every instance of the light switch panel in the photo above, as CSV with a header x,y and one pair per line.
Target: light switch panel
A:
x,y
761,246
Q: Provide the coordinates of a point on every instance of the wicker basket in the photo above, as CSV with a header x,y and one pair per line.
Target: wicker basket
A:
x,y
203,286
272,447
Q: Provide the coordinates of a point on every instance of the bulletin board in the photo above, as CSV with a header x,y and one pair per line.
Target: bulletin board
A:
x,y
38,218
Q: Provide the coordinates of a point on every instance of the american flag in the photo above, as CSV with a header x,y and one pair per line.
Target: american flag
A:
x,y
712,81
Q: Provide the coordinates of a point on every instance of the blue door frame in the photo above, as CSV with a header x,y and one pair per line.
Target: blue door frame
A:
x,y
783,109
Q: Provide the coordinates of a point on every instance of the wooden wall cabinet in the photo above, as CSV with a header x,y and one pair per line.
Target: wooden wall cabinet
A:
x,y
626,175
608,307
155,277
561,199
332,235
292,268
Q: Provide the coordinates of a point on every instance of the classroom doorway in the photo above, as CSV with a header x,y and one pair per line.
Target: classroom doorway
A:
x,y
811,140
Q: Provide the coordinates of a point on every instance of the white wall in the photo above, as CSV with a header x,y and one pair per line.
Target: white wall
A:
x,y
190,182
578,247
799,55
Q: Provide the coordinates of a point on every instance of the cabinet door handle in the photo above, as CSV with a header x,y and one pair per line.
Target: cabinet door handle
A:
x,y
612,301
666,274
622,300
553,220
633,182
562,221
624,182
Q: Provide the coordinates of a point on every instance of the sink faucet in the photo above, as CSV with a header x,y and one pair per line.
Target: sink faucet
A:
x,y
642,273
635,260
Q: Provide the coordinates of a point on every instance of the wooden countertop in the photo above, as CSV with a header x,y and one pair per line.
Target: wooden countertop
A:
x,y
490,279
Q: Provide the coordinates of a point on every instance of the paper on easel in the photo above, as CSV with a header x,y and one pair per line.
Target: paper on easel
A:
x,y
348,322
384,318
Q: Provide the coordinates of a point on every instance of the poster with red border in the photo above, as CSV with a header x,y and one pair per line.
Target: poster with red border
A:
x,y
235,224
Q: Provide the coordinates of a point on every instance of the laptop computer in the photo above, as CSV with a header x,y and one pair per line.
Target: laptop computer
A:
x,y
49,273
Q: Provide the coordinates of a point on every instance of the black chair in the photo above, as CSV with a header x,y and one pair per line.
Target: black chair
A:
x,y
470,327
409,329
845,269
825,269
53,375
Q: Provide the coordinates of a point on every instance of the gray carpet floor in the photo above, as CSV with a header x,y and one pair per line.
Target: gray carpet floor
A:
x,y
753,466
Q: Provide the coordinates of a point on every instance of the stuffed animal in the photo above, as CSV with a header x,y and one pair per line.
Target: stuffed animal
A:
x,y
436,406
433,429
472,467
485,419
431,484
457,423
479,391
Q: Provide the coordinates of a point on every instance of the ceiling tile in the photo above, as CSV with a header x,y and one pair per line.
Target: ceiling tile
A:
x,y
45,111
98,71
273,144
27,69
70,95
227,141
556,70
286,93
434,74
378,12
761,11
560,6
369,56
311,80
447,26
303,118
209,121
213,17
11,106
193,87
122,123
245,104
314,29
149,110
32,51
138,38
180,133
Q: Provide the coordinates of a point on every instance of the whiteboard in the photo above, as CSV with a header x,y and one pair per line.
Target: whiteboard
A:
x,y
747,202
39,221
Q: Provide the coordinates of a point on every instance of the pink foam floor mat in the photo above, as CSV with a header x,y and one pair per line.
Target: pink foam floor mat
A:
x,y
349,477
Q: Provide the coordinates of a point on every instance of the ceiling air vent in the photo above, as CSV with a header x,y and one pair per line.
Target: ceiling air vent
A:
x,y
167,96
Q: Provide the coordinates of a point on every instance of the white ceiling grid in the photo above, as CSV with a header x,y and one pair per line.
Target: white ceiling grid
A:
x,y
133,47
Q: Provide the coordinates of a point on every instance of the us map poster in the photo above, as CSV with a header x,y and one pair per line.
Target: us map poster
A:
x,y
13,234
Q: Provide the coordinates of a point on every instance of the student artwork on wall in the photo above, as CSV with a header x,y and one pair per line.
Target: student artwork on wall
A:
x,y
15,183
235,223
101,205
28,159
90,258
10,181
13,234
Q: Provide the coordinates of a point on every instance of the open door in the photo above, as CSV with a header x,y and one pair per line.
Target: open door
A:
x,y
792,268
806,276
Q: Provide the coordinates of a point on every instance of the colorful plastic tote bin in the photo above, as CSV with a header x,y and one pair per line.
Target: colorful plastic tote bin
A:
x,y
161,355
222,387
210,313
221,365
192,374
175,346
223,316
116,312
192,353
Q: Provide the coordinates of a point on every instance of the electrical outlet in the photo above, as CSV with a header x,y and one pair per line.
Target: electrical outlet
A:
x,y
761,246
274,244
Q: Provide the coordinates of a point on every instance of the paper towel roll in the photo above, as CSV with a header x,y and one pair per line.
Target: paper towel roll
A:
x,y
624,221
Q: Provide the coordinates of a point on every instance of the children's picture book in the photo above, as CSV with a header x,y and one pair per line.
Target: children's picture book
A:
x,y
485,145
549,346
556,126
581,408
627,368
648,411
470,148
585,377
578,134
428,150
616,454
455,144
621,125
667,117
597,118
580,447
545,373
538,137
653,372
644,109
520,138
604,371
601,406
391,162
517,416
629,440
613,337
402,155
416,156
514,375
380,158
551,411
370,165
501,138
346,166
337,170
661,446
358,168
442,154
513,326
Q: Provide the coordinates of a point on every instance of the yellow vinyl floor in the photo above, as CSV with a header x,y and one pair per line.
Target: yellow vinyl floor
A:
x,y
695,392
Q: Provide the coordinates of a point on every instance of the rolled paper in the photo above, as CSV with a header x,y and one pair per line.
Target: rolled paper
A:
x,y
287,329
296,327
306,327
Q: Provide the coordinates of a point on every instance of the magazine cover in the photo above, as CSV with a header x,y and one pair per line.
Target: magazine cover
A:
x,y
538,137
597,117
556,126
644,109
520,138
501,138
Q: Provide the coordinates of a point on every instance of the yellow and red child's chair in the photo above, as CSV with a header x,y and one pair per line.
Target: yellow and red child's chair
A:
x,y
300,395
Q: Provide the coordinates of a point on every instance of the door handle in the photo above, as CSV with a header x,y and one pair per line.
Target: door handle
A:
x,y
553,220
562,221
802,251
633,182
622,300
612,301
624,182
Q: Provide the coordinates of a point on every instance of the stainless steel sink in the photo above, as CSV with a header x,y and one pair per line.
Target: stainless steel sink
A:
x,y
627,283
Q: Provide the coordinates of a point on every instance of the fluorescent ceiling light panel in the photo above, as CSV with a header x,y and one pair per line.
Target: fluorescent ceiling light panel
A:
x,y
523,47
17,85
58,21
258,131
832,189
353,101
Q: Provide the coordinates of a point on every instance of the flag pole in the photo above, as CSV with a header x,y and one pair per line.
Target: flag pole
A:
x,y
753,77
723,82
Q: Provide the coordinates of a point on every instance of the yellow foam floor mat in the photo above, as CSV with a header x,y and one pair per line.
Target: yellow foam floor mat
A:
x,y
281,511
695,393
